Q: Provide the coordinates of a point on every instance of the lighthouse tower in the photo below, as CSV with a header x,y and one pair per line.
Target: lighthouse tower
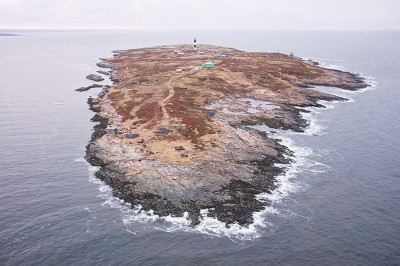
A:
x,y
194,44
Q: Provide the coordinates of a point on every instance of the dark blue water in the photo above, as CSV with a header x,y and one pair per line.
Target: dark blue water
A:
x,y
339,202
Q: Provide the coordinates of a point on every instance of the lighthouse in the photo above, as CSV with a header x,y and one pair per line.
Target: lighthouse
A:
x,y
194,44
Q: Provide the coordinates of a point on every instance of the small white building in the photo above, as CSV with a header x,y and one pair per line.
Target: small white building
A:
x,y
112,130
178,70
180,54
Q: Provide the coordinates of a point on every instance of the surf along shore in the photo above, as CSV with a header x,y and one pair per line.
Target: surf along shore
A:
x,y
174,131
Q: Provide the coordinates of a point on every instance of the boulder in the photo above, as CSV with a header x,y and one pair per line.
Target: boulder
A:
x,y
95,77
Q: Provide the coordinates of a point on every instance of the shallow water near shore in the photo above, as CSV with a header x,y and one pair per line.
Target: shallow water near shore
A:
x,y
338,201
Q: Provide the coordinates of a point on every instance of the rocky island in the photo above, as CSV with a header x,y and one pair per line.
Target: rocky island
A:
x,y
174,133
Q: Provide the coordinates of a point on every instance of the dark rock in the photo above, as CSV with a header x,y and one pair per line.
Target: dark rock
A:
x,y
103,72
95,77
82,89
357,82
286,118
89,87
163,131
104,91
118,52
114,77
132,136
103,65
210,113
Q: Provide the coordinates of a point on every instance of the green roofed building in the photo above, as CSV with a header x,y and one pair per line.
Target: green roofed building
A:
x,y
209,65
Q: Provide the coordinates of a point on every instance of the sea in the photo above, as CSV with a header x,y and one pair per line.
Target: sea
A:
x,y
338,202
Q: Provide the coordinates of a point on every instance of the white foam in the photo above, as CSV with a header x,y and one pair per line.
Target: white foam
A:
x,y
80,159
371,81
323,59
285,186
313,128
332,66
129,231
325,63
208,225
284,183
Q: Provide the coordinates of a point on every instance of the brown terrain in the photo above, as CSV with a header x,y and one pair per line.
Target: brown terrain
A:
x,y
184,143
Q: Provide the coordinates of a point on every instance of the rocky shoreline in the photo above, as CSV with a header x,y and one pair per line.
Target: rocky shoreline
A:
x,y
230,202
221,170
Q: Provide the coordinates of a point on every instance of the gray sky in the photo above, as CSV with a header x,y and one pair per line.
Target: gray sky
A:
x,y
202,14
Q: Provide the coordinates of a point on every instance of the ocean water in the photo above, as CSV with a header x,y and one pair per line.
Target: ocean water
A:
x,y
337,203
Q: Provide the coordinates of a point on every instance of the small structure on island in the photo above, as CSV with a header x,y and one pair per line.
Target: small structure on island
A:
x,y
163,131
179,53
181,125
132,136
209,65
210,113
112,130
178,70
179,148
195,44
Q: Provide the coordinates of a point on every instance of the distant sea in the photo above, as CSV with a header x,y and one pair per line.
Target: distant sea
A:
x,y
337,204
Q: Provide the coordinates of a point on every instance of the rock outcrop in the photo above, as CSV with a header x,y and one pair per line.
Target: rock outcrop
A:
x,y
89,87
95,77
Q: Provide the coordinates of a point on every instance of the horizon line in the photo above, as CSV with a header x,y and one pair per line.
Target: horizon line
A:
x,y
161,29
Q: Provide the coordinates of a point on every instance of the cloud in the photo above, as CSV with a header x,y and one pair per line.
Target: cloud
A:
x,y
8,2
205,14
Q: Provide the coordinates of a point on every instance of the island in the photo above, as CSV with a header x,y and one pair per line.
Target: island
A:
x,y
175,132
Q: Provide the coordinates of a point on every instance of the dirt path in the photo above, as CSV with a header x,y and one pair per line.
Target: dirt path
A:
x,y
171,93
160,111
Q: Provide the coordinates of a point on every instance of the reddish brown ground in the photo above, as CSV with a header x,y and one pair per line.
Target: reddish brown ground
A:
x,y
151,95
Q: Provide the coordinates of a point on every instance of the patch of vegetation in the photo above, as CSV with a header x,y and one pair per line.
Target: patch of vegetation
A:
x,y
147,111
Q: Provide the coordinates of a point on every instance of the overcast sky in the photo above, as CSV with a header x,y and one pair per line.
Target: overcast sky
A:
x,y
204,14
